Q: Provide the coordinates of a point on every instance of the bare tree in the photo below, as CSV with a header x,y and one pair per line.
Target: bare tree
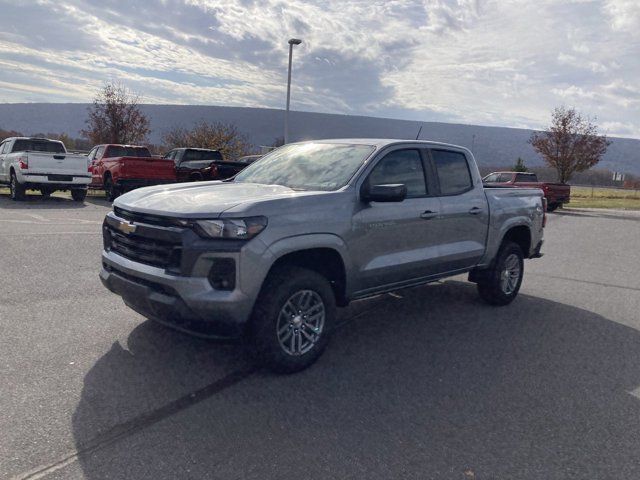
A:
x,y
571,144
115,117
217,136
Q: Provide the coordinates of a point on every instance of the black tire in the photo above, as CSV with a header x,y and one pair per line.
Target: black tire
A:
x,y
112,190
280,287
17,191
196,177
493,286
46,192
552,207
79,194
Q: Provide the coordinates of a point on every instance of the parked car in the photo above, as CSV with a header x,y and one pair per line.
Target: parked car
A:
x,y
195,164
556,194
42,164
311,226
120,168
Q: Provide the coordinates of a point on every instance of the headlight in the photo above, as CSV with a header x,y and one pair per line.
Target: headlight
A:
x,y
233,228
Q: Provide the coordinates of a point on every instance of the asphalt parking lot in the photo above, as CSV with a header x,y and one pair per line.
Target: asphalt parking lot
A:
x,y
427,384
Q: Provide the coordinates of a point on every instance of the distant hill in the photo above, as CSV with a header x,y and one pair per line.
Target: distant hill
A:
x,y
494,146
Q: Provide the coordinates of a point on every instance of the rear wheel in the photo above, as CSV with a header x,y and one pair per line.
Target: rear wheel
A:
x,y
500,284
16,189
552,207
111,189
293,319
79,194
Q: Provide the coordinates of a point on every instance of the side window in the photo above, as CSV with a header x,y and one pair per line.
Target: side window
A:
x,y
401,166
99,153
505,177
494,177
526,177
92,155
453,172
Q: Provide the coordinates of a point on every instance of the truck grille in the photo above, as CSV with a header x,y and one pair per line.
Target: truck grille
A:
x,y
143,249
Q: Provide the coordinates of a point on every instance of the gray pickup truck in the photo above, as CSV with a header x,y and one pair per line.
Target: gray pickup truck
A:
x,y
271,253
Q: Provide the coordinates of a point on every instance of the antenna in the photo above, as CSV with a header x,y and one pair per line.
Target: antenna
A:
x,y
419,131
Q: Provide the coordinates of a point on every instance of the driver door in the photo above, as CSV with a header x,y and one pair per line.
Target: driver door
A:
x,y
397,242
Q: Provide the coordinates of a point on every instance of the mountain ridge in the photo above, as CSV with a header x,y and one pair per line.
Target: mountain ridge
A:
x,y
494,146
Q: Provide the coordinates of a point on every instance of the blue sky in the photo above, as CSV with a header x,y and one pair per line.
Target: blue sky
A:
x,y
489,62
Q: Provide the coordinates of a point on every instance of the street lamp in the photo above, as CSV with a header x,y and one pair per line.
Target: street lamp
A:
x,y
292,42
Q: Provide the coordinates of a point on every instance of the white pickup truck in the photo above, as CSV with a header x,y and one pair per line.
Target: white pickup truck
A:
x,y
42,164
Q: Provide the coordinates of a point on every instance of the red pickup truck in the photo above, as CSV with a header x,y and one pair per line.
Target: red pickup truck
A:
x,y
556,194
120,168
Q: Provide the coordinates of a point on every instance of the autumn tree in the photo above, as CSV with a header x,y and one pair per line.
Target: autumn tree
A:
x,y
217,136
115,117
571,144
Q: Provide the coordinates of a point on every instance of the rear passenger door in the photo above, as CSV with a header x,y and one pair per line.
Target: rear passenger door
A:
x,y
464,211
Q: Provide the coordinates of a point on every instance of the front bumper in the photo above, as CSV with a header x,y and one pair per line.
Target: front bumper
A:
x,y
189,304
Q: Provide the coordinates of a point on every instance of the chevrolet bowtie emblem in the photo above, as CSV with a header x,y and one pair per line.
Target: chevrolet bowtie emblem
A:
x,y
126,227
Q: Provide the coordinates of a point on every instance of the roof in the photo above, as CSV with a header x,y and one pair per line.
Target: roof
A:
x,y
31,138
383,142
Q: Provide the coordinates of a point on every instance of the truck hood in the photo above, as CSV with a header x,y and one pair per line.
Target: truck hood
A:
x,y
201,199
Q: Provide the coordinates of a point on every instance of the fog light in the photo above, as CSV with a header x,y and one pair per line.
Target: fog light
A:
x,y
222,275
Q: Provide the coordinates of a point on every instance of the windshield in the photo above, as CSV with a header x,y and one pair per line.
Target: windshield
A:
x,y
24,145
201,155
122,151
307,166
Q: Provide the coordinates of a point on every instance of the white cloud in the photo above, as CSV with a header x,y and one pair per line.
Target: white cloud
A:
x,y
498,62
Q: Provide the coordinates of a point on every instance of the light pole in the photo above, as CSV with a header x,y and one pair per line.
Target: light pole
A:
x,y
292,42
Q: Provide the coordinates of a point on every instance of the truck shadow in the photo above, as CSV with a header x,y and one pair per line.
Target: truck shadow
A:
x,y
34,200
426,386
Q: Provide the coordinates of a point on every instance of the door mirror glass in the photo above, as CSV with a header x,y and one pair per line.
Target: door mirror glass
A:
x,y
396,192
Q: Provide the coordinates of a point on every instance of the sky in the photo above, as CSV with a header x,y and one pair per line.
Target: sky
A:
x,y
486,62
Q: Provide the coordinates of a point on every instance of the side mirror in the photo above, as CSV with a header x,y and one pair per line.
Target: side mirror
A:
x,y
396,192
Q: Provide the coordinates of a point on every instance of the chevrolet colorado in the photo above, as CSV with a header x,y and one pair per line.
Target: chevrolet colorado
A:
x,y
271,253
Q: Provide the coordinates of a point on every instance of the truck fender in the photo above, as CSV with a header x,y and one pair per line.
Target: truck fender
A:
x,y
297,243
497,237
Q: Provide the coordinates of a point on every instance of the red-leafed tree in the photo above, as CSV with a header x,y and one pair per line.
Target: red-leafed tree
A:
x,y
571,144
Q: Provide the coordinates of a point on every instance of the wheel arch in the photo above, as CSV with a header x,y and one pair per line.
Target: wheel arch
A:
x,y
325,254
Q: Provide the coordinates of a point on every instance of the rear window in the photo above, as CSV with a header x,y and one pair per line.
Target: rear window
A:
x,y
38,146
453,172
526,177
122,151
201,155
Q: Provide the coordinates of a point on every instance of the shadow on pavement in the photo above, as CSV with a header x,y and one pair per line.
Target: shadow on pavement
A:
x,y
34,200
427,386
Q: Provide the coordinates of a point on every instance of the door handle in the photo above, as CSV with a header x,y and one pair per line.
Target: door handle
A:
x,y
428,215
475,211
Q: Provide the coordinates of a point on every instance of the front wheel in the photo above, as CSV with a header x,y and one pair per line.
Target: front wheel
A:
x,y
500,284
17,191
292,320
79,194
